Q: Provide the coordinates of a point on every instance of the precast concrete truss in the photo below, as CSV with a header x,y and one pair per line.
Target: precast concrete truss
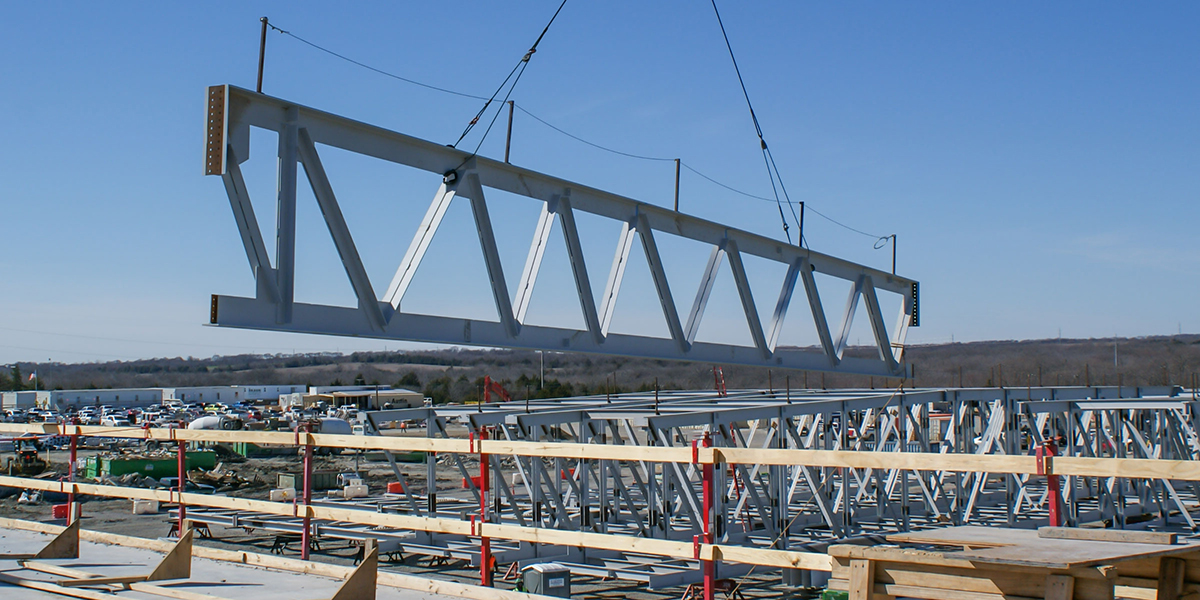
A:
x,y
301,130
792,507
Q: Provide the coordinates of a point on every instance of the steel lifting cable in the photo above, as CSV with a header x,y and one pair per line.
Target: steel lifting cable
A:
x,y
768,159
518,70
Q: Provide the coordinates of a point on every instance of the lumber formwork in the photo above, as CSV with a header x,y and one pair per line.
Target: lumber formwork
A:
x,y
614,485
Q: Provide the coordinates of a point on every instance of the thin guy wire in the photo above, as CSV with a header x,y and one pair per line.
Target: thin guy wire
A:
x,y
594,145
370,68
689,167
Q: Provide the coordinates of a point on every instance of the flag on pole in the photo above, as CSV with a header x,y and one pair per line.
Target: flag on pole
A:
x,y
33,376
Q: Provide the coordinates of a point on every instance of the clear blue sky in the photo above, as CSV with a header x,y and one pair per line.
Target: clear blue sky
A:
x,y
1040,162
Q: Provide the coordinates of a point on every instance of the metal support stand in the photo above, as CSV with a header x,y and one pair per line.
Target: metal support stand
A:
x,y
485,542
72,507
1053,491
181,451
709,566
306,533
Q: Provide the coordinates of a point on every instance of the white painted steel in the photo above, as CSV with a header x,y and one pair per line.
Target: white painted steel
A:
x,y
301,129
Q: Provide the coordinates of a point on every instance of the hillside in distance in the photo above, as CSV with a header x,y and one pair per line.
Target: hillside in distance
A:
x,y
454,374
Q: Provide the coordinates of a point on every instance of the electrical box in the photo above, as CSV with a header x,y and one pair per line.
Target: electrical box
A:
x,y
547,579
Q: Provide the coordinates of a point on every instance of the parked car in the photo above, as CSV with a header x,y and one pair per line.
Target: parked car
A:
x,y
114,420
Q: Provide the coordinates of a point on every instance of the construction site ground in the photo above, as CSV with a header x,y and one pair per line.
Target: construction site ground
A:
x,y
115,516
217,578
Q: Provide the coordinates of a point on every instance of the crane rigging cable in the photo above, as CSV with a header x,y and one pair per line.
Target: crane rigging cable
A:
x,y
768,158
791,203
518,70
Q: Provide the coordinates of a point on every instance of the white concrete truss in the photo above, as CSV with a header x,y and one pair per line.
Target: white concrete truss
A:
x,y
233,111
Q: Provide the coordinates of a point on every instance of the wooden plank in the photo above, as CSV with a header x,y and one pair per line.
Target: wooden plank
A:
x,y
862,580
910,591
1147,588
899,555
996,581
1060,587
97,580
1107,535
91,578
1136,468
1170,578
1024,547
171,592
1070,554
59,570
583,539
626,452
812,561
1148,567
1136,588
46,586
975,536
991,463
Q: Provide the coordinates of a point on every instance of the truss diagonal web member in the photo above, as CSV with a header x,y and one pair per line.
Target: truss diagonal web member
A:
x,y
302,130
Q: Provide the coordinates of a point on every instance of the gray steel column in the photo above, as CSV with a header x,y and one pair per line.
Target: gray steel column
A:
x,y
285,222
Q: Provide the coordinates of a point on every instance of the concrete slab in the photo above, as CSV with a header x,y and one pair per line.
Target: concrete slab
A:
x,y
223,579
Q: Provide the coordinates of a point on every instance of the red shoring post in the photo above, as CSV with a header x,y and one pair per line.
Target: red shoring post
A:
x,y
71,506
1054,493
485,543
708,565
181,466
307,532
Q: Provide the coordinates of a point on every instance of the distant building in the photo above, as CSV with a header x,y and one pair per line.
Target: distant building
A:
x,y
366,397
230,394
120,397
363,397
24,400
141,397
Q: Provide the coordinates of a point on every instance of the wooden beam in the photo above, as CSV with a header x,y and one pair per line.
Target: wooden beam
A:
x,y
46,586
1060,587
862,579
1136,468
889,590
1171,573
59,570
812,561
98,580
972,463
1107,535
171,592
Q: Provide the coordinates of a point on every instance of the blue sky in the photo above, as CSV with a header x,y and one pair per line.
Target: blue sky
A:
x,y
1039,162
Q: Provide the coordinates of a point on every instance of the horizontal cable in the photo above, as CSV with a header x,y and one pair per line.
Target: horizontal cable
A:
x,y
575,137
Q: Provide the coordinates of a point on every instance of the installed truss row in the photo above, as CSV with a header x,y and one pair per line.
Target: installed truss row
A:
x,y
616,485
782,504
